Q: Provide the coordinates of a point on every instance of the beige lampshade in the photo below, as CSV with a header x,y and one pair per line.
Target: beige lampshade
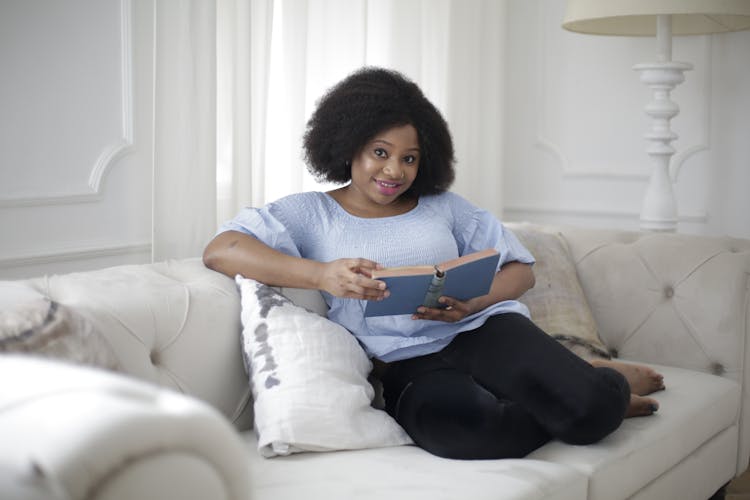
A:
x,y
637,17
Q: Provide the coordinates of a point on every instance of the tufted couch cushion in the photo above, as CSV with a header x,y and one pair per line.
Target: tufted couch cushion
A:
x,y
158,319
644,290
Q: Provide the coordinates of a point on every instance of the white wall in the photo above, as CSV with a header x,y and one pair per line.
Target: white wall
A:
x,y
575,152
75,134
76,130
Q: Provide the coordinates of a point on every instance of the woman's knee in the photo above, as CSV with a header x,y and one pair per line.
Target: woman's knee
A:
x,y
598,414
449,415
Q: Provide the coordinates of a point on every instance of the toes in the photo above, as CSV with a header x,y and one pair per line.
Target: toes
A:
x,y
652,406
654,382
641,407
658,382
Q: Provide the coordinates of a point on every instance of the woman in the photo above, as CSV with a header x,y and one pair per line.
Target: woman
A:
x,y
470,379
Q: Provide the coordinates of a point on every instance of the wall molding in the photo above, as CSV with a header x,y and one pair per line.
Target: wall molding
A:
x,y
119,148
548,146
594,213
545,143
75,254
111,152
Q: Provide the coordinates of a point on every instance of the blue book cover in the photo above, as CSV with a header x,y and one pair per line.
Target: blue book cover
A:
x,y
465,277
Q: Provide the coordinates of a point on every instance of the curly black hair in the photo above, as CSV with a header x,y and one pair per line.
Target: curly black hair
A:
x,y
361,106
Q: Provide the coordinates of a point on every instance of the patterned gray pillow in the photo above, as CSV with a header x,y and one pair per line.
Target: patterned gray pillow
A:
x,y
309,379
46,328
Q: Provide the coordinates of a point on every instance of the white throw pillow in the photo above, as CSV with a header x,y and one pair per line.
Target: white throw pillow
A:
x,y
309,379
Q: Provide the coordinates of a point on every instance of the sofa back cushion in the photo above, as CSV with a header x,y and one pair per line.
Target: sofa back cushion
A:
x,y
667,298
175,323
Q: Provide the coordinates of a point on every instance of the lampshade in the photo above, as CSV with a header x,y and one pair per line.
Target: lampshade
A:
x,y
636,17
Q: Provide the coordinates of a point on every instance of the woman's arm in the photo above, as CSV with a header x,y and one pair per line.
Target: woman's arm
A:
x,y
510,282
233,252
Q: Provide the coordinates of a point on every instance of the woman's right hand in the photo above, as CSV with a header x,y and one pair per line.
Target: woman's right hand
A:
x,y
351,278
233,253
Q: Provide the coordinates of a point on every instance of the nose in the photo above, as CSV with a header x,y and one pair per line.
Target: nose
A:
x,y
393,170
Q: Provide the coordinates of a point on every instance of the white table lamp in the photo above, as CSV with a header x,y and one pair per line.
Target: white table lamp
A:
x,y
662,18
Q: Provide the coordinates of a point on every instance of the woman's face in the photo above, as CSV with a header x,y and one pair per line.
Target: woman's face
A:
x,y
387,165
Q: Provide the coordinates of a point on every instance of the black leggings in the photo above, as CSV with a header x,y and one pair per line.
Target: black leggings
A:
x,y
501,391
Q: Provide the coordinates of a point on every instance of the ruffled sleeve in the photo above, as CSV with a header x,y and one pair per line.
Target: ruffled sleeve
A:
x,y
476,229
266,226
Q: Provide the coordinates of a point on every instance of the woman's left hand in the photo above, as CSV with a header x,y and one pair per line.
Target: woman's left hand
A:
x,y
453,310
512,281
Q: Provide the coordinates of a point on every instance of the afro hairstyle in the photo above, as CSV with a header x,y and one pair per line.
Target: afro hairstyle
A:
x,y
365,103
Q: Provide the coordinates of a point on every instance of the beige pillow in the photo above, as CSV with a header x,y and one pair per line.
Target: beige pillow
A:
x,y
557,302
42,327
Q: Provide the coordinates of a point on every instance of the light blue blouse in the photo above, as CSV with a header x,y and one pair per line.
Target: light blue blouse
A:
x,y
441,227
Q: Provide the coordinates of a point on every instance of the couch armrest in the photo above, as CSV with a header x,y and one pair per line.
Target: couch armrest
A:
x,y
70,432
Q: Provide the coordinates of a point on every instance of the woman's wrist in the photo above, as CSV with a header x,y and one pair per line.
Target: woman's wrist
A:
x,y
316,274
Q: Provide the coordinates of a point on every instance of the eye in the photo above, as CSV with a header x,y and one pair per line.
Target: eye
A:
x,y
380,153
410,159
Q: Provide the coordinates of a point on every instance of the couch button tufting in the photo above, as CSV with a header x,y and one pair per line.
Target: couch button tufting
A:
x,y
155,357
669,292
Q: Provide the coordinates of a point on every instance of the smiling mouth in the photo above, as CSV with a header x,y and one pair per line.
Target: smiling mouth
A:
x,y
388,188
386,184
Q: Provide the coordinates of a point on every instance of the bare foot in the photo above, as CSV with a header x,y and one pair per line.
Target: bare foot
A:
x,y
642,379
641,406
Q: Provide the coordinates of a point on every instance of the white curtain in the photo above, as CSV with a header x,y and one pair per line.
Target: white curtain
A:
x,y
277,57
236,81
184,169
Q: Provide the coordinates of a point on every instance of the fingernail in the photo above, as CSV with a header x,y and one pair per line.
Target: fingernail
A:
x,y
654,408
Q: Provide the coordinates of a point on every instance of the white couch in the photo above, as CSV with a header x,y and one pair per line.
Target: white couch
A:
x,y
676,302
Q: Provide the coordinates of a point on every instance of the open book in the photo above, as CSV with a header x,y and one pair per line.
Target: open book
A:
x,y
463,278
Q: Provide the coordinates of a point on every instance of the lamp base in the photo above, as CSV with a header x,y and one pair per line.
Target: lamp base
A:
x,y
659,211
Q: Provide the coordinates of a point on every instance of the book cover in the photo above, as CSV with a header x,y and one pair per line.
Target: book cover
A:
x,y
464,278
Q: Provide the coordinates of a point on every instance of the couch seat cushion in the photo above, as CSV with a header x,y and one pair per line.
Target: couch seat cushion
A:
x,y
406,473
694,408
